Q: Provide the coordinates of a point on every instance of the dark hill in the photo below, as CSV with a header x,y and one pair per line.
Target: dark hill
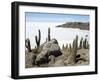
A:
x,y
79,25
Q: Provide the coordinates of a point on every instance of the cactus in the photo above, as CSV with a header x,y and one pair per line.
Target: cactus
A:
x,y
76,42
85,43
73,43
63,47
70,48
46,40
66,46
37,39
81,43
49,38
75,47
27,44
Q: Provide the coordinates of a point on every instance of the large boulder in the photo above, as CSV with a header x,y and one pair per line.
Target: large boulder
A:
x,y
49,48
52,48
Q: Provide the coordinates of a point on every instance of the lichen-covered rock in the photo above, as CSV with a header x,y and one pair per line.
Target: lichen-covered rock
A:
x,y
49,48
52,47
42,58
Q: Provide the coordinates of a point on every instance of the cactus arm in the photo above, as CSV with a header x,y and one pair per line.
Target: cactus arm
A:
x,y
27,44
37,39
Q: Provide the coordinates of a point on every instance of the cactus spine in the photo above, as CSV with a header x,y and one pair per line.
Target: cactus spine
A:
x,y
37,39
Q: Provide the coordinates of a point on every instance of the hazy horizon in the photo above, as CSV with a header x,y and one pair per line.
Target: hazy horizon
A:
x,y
61,34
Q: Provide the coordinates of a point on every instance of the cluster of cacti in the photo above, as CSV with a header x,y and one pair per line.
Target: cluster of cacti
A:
x,y
27,44
72,49
63,47
38,38
85,44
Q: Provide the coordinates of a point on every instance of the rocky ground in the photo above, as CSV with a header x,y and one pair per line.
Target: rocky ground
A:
x,y
50,54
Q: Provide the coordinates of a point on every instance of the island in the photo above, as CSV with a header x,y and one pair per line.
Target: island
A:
x,y
79,25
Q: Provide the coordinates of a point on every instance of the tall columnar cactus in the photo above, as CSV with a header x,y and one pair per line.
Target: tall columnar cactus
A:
x,y
75,47
38,39
49,38
27,44
70,48
81,43
46,40
63,46
66,46
85,43
73,43
76,42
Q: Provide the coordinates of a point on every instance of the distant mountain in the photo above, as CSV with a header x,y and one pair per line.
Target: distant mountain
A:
x,y
79,25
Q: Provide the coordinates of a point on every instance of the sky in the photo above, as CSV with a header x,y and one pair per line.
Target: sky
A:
x,y
55,17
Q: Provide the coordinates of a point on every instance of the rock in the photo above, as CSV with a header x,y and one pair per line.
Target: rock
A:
x,y
49,48
42,58
82,57
30,59
56,62
52,47
59,63
69,61
51,60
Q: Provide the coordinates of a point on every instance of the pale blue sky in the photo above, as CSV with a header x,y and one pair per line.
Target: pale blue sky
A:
x,y
53,17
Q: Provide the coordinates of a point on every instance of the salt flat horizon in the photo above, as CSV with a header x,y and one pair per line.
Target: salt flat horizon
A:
x,y
63,35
